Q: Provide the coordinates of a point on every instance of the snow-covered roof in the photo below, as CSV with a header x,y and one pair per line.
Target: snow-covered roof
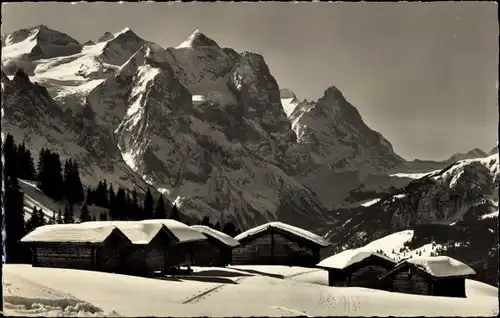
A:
x,y
222,237
347,258
69,233
181,231
137,233
441,266
316,239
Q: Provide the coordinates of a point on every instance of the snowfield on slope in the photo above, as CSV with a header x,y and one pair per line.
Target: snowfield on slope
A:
x,y
104,294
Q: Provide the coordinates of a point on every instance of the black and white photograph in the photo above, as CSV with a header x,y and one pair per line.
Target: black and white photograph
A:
x,y
250,159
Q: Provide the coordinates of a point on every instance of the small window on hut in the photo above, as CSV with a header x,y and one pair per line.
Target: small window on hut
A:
x,y
409,272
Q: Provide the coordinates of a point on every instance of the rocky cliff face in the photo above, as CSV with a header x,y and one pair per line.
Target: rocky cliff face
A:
x,y
205,125
337,149
201,123
31,115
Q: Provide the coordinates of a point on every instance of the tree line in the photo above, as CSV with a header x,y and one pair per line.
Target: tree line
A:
x,y
63,184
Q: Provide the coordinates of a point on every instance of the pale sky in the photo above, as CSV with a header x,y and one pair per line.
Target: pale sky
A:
x,y
422,74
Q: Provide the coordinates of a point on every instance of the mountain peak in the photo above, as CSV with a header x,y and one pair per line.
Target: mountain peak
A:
x,y
21,79
125,31
196,40
471,154
333,92
109,36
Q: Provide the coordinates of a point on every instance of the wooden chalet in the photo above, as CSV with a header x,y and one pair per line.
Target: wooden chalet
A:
x,y
150,246
277,243
217,250
187,242
72,246
434,276
357,268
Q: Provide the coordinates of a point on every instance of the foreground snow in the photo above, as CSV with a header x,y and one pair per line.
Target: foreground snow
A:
x,y
64,292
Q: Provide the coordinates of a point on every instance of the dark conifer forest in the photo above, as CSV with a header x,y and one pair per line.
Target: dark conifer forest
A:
x,y
60,180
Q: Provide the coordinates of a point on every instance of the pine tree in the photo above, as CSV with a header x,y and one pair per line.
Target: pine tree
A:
x,y
89,196
56,177
206,221
68,191
118,207
42,175
111,198
148,206
77,183
217,226
160,212
9,152
50,179
41,218
29,166
174,214
103,217
13,206
72,184
229,229
68,214
84,214
26,167
33,221
135,209
104,195
59,219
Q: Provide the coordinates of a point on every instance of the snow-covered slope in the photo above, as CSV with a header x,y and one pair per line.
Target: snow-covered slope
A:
x,y
39,291
449,212
288,100
20,49
31,115
35,198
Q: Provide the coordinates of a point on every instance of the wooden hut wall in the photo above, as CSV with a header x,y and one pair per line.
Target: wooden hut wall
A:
x,y
337,278
156,252
365,274
209,254
109,256
449,287
289,250
414,282
181,253
132,260
62,255
226,255
255,250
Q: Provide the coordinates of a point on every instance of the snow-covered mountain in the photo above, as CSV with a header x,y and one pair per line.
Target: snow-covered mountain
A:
x,y
456,208
210,128
201,123
472,154
31,115
338,151
20,49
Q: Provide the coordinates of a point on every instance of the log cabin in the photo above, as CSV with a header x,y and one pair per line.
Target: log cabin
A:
x,y
148,253
433,276
277,243
72,246
357,268
217,250
186,242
